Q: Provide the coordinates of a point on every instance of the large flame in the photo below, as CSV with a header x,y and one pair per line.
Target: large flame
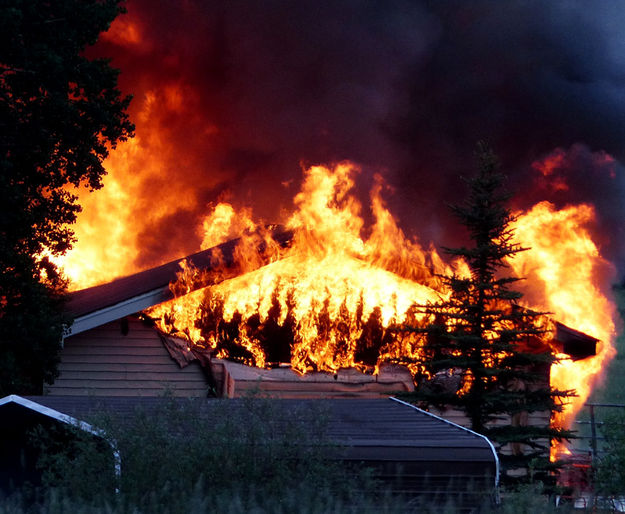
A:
x,y
133,221
332,283
563,271
106,248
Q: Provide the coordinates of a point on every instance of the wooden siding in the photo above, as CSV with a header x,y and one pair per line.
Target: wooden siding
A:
x,y
458,417
535,419
105,362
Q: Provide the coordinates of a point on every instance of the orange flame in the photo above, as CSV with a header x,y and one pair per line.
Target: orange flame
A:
x,y
106,248
563,268
117,222
330,271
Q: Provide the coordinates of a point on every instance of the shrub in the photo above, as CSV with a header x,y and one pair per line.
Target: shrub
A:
x,y
610,467
180,456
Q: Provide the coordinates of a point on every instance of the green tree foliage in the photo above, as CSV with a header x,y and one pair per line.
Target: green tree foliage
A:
x,y
483,353
60,113
610,472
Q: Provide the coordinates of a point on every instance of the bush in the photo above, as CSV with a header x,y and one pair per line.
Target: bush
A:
x,y
610,467
179,456
78,463
241,456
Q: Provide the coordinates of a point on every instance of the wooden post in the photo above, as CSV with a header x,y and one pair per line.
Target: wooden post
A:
x,y
593,433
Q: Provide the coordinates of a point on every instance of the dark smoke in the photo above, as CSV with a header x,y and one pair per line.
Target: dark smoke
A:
x,y
405,88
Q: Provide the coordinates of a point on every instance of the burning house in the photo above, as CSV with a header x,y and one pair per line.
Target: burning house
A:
x,y
310,311
324,302
305,310
127,343
115,349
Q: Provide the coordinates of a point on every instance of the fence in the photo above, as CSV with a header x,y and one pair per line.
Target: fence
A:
x,y
590,429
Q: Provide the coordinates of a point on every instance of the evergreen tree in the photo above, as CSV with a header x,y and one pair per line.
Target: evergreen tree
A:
x,y
60,113
483,353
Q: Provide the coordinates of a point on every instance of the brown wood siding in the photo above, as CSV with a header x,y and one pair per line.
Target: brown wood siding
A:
x,y
105,362
540,418
235,380
311,390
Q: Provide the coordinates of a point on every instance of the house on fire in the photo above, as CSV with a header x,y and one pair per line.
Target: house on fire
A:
x,y
116,357
113,351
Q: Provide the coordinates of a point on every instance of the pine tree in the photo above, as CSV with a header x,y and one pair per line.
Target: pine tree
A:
x,y
483,353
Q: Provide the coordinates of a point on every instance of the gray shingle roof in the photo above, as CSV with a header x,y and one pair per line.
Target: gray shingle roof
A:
x,y
372,429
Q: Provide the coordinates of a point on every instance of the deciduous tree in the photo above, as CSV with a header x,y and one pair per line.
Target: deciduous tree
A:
x,y
60,113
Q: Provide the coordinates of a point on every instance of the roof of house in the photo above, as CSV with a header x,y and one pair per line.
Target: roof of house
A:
x,y
98,297
369,429
100,304
14,403
574,343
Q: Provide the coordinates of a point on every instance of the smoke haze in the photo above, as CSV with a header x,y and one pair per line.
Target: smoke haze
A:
x,y
232,98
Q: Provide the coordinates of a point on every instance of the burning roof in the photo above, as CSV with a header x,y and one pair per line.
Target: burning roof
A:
x,y
574,343
138,291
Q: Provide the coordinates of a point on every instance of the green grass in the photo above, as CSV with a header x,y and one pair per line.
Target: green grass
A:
x,y
299,499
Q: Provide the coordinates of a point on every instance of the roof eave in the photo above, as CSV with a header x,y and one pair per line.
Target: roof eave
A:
x,y
488,441
119,310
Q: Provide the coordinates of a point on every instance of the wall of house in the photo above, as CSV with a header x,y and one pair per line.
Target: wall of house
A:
x,y
124,358
540,418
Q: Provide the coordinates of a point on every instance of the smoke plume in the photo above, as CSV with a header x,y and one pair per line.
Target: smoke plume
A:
x,y
233,97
